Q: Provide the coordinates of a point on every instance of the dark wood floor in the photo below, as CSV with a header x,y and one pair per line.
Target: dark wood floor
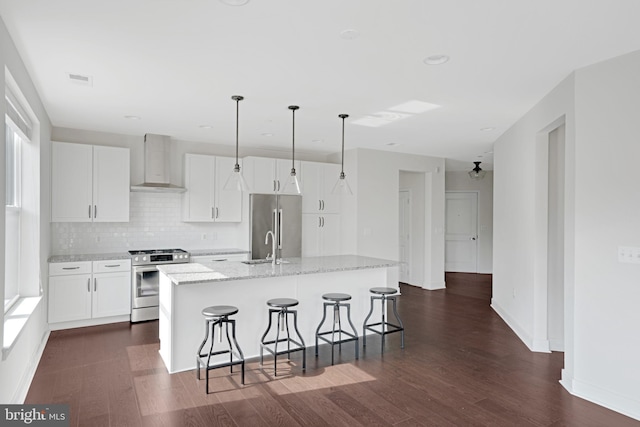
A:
x,y
461,366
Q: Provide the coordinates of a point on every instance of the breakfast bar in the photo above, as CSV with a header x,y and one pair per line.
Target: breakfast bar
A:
x,y
185,289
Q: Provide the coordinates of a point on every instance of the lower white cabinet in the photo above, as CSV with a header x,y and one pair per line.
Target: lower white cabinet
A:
x,y
89,290
320,235
220,257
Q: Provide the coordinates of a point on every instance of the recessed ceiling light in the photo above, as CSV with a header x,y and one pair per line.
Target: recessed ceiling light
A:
x,y
392,144
436,59
266,134
488,129
235,2
132,117
205,127
349,34
317,141
415,107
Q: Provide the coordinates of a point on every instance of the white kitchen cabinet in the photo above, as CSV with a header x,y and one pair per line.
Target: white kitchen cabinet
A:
x,y
265,175
80,291
220,257
320,235
89,183
205,199
318,181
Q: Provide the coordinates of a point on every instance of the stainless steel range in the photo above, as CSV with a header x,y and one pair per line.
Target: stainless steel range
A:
x,y
145,280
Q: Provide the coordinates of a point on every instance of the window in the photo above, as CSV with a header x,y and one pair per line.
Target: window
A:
x,y
17,131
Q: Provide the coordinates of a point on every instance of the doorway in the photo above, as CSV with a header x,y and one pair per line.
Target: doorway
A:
x,y
461,236
404,235
555,239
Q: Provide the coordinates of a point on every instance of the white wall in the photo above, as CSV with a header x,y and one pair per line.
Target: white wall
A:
x,y
370,223
607,206
460,181
598,105
19,365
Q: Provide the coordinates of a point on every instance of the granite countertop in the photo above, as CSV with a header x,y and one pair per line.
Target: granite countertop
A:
x,y
125,255
183,274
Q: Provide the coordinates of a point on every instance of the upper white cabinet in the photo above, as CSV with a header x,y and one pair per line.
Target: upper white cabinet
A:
x,y
89,183
205,199
265,175
318,180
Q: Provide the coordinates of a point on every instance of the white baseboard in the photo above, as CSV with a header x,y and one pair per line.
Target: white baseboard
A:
x,y
433,286
611,400
23,388
89,322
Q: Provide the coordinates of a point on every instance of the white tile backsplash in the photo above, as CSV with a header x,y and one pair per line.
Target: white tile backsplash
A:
x,y
154,222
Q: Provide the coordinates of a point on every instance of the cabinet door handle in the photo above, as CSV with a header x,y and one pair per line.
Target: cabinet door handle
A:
x,y
70,268
95,284
89,211
322,222
217,213
88,285
323,205
274,185
319,222
212,213
319,204
95,211
112,265
278,185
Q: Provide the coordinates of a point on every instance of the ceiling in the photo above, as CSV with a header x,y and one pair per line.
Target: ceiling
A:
x,y
175,64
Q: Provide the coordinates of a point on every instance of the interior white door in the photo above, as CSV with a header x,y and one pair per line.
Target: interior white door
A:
x,y
461,239
404,234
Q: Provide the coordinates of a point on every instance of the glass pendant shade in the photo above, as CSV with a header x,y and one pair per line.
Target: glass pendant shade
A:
x,y
236,181
477,173
342,187
293,184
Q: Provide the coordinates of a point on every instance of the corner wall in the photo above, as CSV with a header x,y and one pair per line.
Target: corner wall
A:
x,y
17,369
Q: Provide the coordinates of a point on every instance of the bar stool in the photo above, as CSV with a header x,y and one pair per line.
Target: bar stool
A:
x,y
281,307
218,315
383,294
336,300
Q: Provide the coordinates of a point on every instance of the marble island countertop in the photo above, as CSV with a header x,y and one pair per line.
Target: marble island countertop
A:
x,y
183,274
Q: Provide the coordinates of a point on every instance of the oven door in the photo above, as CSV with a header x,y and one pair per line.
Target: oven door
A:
x,y
146,286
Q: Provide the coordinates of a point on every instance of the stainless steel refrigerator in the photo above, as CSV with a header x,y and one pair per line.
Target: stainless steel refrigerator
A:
x,y
275,212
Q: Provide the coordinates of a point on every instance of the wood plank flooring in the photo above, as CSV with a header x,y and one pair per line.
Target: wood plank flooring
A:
x,y
461,366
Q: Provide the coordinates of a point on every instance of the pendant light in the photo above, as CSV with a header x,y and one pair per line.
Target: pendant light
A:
x,y
342,186
293,184
236,181
477,173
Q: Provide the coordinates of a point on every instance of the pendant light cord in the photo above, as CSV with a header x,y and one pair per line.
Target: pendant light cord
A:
x,y
237,98
342,116
293,109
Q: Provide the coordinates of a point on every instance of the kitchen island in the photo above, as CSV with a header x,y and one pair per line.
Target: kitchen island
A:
x,y
185,289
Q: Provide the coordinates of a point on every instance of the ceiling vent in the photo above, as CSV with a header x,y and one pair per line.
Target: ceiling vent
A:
x,y
80,79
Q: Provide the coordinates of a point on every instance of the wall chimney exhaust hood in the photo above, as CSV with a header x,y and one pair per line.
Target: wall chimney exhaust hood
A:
x,y
157,166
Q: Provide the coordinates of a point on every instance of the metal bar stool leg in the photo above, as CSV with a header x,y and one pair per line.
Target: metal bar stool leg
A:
x,y
324,317
364,325
304,347
395,313
355,333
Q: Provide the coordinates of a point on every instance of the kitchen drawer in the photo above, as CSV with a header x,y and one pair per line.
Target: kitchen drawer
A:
x,y
66,268
111,266
221,257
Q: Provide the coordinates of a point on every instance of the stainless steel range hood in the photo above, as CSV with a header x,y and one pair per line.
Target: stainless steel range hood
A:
x,y
157,166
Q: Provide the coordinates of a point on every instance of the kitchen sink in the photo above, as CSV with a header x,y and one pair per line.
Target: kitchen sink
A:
x,y
264,261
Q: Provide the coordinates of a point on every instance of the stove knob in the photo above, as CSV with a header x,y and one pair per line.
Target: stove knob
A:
x,y
135,259
144,258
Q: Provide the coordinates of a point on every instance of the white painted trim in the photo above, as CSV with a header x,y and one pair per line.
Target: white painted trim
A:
x,y
89,322
609,399
540,346
434,286
23,387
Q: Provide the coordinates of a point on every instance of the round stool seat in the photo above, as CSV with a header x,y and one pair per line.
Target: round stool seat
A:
x,y
219,311
383,291
282,302
337,297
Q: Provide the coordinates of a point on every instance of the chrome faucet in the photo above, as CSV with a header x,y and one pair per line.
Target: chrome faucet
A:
x,y
274,249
